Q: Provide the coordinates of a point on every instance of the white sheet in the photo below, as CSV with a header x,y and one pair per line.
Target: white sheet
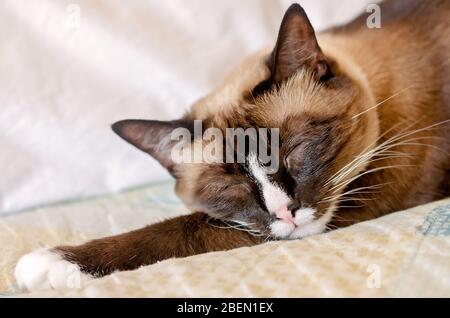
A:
x,y
68,69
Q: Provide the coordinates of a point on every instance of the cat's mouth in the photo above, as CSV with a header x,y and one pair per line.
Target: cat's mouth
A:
x,y
304,222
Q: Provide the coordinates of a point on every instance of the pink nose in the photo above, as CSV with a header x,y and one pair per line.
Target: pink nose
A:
x,y
284,214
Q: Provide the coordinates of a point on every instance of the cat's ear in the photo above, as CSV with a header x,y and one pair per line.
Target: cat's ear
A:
x,y
152,137
297,48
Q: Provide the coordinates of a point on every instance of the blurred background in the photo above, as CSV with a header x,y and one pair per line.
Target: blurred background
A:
x,y
68,69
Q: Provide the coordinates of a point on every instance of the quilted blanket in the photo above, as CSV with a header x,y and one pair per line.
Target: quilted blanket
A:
x,y
403,254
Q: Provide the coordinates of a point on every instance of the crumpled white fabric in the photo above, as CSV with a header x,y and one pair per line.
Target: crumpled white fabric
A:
x,y
68,69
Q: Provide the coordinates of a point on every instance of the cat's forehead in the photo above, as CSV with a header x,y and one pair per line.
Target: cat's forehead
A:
x,y
300,96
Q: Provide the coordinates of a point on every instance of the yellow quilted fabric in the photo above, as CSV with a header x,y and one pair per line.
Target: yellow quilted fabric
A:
x,y
402,254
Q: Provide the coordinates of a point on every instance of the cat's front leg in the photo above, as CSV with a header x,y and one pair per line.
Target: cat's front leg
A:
x,y
72,266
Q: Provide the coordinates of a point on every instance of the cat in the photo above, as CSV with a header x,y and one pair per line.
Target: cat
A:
x,y
363,118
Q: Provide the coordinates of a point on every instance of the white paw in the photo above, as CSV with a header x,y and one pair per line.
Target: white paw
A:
x,y
45,270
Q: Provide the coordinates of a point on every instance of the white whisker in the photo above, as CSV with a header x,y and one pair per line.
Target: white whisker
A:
x,y
382,102
392,142
344,184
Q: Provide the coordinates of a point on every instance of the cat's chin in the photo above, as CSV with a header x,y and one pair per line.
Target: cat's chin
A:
x,y
305,225
282,229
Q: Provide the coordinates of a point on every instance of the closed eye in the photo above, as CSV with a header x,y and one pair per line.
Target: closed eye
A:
x,y
292,156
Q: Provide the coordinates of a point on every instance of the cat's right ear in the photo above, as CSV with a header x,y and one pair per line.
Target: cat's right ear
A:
x,y
297,48
152,137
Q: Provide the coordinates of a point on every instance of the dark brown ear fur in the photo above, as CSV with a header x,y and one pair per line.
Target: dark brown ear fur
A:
x,y
152,137
297,48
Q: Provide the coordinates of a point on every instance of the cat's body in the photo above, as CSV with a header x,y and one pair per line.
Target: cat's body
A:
x,y
407,66
370,139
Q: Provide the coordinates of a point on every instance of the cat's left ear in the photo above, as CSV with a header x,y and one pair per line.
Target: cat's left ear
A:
x,y
297,48
153,137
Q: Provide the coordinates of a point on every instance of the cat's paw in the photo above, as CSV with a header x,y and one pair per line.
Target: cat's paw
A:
x,y
45,270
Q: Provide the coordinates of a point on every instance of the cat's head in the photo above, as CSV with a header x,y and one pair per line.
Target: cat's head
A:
x,y
319,103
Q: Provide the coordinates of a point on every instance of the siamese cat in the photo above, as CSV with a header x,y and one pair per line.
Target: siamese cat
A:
x,y
363,117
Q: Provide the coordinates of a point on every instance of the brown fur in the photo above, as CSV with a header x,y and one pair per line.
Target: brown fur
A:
x,y
388,81
179,237
410,54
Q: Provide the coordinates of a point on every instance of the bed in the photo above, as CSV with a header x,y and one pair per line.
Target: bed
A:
x,y
405,254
